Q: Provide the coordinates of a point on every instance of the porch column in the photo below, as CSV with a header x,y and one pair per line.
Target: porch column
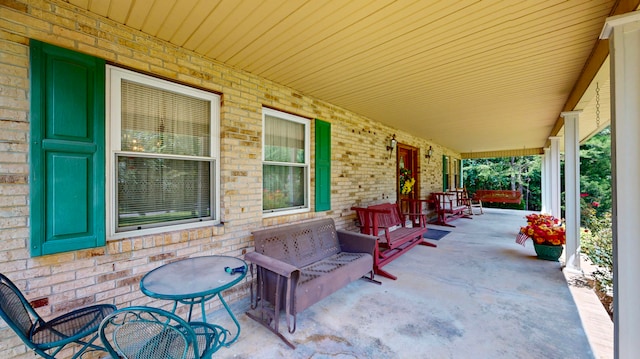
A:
x,y
554,177
572,188
623,33
544,182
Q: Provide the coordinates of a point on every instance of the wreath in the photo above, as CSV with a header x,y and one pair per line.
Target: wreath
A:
x,y
406,181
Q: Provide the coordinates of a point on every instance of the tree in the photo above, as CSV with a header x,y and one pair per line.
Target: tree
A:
x,y
514,173
523,174
595,172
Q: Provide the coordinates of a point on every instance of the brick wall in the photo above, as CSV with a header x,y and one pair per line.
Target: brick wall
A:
x,y
362,171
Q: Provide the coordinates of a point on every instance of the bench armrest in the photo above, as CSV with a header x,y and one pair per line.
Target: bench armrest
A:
x,y
272,264
352,242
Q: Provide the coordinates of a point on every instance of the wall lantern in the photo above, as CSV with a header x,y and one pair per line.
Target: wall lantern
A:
x,y
429,154
392,144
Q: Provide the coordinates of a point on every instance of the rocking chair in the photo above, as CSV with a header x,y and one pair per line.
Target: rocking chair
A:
x,y
47,338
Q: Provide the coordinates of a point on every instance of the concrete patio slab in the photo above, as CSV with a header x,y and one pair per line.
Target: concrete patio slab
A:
x,y
477,295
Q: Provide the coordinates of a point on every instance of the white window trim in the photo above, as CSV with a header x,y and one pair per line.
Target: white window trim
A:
x,y
306,165
114,76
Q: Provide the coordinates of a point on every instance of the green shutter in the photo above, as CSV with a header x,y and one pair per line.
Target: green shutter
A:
x,y
323,165
445,173
67,150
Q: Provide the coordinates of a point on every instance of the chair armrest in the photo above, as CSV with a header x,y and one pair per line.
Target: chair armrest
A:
x,y
352,242
272,264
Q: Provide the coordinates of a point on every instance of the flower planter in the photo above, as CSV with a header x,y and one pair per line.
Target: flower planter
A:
x,y
544,228
548,252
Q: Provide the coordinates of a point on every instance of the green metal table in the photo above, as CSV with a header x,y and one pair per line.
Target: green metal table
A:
x,y
194,281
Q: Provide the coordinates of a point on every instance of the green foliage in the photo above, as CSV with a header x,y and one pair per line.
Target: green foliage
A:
x,y
597,245
595,206
523,173
507,173
595,172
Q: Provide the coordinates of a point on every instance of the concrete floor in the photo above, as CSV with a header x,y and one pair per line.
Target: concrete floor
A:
x,y
477,295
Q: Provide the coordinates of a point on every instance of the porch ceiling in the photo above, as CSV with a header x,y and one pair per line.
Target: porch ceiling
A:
x,y
471,75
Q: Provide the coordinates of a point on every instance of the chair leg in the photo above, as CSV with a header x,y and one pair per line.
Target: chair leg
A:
x,y
270,318
428,244
384,273
370,278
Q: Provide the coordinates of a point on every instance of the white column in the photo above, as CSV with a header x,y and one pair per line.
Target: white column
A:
x,y
623,33
554,177
572,188
544,182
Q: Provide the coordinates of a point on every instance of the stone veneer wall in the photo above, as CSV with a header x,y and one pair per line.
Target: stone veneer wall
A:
x,y
362,171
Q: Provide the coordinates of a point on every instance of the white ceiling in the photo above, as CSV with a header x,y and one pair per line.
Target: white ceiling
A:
x,y
471,75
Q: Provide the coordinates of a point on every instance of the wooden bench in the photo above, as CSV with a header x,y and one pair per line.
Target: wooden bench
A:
x,y
498,196
300,264
450,206
387,222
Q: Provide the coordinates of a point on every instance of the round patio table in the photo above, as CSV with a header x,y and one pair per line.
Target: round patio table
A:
x,y
194,281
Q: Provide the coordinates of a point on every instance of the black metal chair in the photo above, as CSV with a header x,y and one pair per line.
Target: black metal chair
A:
x,y
47,338
152,333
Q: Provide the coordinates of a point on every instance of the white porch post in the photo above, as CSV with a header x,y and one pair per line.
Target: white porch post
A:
x,y
544,182
554,177
623,33
572,188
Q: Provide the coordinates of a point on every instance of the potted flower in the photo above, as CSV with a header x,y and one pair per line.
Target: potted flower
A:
x,y
548,235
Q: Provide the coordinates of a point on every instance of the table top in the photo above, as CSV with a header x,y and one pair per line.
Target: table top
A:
x,y
192,277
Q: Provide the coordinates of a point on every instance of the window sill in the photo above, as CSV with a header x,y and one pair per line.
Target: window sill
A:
x,y
217,229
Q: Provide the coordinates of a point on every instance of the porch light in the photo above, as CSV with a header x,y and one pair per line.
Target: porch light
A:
x,y
429,154
392,144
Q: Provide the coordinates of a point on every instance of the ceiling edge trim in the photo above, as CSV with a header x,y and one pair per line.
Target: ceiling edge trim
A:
x,y
504,153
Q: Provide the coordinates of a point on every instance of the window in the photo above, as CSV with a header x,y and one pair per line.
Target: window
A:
x,y
285,166
163,164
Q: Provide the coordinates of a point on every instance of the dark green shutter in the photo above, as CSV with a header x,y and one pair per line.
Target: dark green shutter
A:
x,y
323,165
445,173
67,150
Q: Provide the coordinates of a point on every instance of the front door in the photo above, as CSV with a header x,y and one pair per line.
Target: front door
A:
x,y
408,172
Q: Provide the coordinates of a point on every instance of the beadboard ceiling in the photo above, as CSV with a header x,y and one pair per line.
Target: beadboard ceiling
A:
x,y
475,76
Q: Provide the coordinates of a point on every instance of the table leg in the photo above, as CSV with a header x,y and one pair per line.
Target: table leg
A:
x,y
226,306
204,313
190,311
175,306
191,303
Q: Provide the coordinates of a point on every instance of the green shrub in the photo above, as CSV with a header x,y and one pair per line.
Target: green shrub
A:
x,y
597,245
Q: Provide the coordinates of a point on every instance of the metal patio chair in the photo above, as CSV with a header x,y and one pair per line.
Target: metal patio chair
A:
x,y
152,333
47,338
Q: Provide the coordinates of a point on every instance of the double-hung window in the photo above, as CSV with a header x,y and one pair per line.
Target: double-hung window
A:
x,y
285,166
163,155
